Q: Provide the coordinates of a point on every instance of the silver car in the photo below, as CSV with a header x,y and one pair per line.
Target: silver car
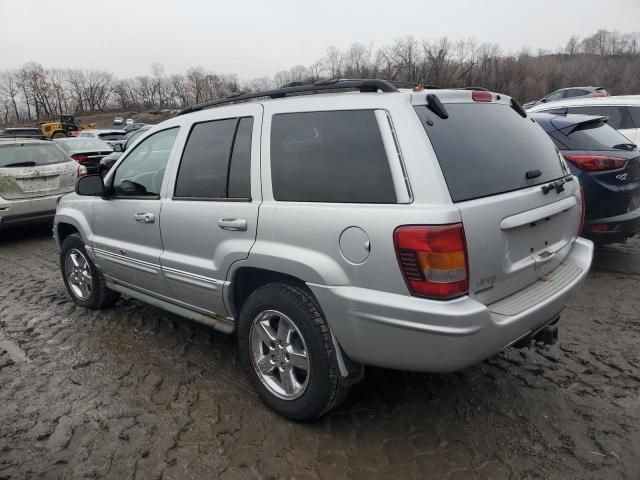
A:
x,y
418,230
33,175
569,93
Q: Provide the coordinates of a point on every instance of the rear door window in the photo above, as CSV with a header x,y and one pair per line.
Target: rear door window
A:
x,y
619,118
487,148
333,156
31,155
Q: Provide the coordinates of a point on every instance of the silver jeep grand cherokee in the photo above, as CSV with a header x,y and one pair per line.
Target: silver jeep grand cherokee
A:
x,y
419,230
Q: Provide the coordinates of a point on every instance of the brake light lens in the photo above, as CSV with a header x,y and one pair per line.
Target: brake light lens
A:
x,y
596,163
583,207
601,227
481,96
79,157
433,260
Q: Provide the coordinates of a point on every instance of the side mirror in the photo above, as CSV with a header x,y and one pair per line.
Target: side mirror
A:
x,y
118,147
90,185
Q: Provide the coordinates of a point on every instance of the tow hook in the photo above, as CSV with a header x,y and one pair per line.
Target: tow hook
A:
x,y
548,335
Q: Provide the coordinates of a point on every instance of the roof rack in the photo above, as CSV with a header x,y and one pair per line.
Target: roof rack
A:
x,y
366,85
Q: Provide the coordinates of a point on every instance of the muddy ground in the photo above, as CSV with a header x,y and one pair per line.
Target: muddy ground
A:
x,y
134,392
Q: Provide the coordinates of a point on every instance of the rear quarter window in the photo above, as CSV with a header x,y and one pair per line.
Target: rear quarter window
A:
x,y
334,156
487,148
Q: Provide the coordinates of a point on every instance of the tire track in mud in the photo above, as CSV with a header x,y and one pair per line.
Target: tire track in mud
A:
x,y
134,392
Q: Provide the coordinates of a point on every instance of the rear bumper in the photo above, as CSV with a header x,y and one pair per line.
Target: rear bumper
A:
x,y
398,331
13,212
621,227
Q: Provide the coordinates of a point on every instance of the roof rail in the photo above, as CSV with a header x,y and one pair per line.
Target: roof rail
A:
x,y
365,85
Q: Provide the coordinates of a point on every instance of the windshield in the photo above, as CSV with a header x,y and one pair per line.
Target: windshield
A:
x,y
597,136
84,145
488,148
31,155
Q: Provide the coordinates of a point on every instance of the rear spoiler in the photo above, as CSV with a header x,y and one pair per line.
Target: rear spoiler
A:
x,y
587,123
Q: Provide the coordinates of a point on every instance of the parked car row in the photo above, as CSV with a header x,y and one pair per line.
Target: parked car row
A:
x,y
35,171
421,230
121,121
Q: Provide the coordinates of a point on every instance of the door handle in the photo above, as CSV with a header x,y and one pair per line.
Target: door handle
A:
x,y
145,217
233,224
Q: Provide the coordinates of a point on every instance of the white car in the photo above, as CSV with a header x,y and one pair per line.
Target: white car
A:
x,y
129,121
34,174
118,121
109,136
623,111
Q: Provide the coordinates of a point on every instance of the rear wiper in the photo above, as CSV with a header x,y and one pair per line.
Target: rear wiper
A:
x,y
625,146
20,164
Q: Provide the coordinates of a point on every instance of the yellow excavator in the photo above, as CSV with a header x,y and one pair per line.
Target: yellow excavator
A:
x,y
63,128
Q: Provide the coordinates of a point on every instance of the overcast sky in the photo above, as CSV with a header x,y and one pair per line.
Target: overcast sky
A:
x,y
260,37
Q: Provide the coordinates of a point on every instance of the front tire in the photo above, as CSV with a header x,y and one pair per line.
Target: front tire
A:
x,y
85,283
285,345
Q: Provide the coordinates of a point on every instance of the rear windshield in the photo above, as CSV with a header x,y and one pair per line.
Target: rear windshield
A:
x,y
112,136
31,155
488,148
597,136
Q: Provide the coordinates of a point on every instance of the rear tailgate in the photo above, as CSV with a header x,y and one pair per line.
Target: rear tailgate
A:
x,y
35,170
496,163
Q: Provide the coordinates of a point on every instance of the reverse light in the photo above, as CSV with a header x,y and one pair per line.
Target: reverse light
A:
x,y
82,171
433,259
481,96
596,163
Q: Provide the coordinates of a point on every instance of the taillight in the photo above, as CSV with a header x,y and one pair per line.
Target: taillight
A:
x,y
82,171
79,157
583,206
596,163
602,227
433,259
481,96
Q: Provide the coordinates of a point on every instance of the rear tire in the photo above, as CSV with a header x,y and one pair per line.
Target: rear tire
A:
x,y
285,345
85,283
59,135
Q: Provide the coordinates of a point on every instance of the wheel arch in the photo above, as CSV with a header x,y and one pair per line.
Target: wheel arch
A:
x,y
246,279
63,230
